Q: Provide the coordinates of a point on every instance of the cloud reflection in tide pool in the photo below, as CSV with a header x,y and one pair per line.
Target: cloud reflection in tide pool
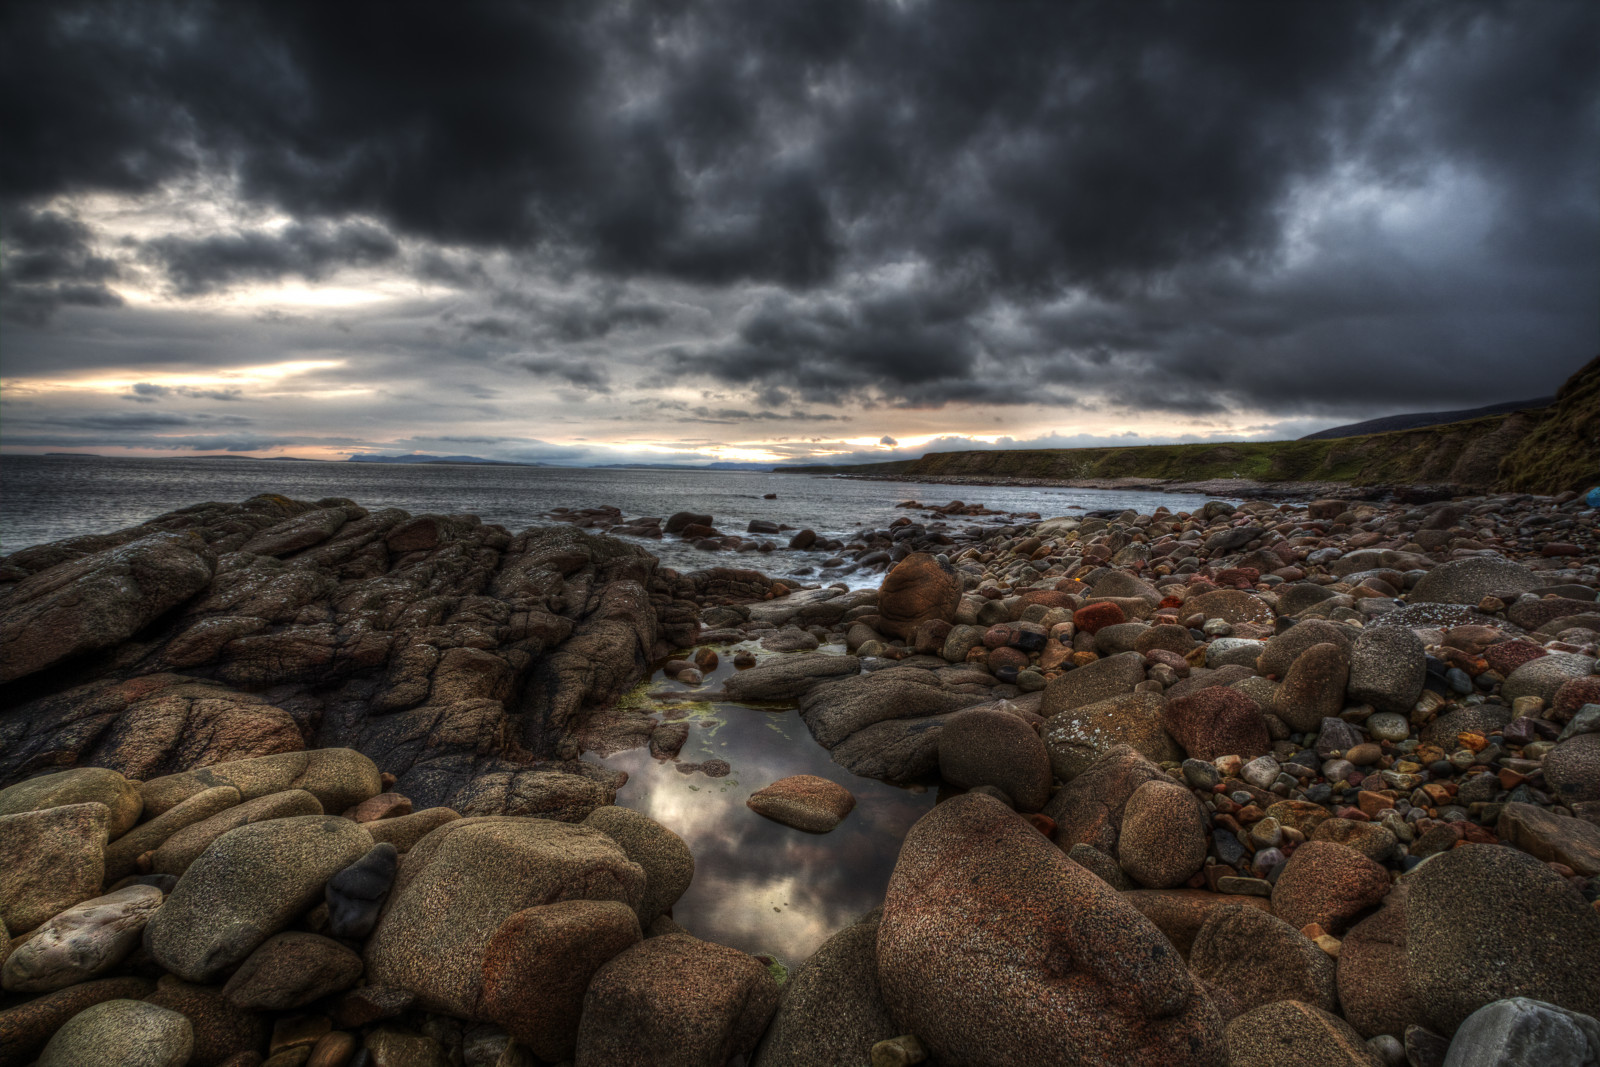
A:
x,y
760,886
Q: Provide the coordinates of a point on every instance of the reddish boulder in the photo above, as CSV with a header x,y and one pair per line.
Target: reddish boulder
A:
x,y
803,801
1097,617
919,588
1217,722
1328,884
990,747
1507,656
1085,979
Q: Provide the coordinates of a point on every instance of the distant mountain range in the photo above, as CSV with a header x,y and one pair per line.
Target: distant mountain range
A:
x,y
1419,419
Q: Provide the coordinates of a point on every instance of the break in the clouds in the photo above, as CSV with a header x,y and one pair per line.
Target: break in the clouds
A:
x,y
590,232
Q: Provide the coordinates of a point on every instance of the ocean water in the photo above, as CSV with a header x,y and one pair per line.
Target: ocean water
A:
x,y
46,498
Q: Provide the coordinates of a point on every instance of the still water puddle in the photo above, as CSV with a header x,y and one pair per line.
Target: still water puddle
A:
x,y
761,886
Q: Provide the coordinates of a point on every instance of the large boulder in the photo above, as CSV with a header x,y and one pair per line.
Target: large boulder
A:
x,y
991,747
540,962
803,801
1075,739
1291,1033
81,785
1229,605
832,1011
835,709
667,863
1092,683
1550,837
25,1028
251,883
1180,913
290,970
222,1029
1258,958
82,942
122,855
918,588
995,949
49,861
458,885
1485,922
121,1033
1375,989
674,1000
1467,581
1544,677
1163,839
174,855
1280,652
1572,769
1313,689
98,601
340,778
1519,1030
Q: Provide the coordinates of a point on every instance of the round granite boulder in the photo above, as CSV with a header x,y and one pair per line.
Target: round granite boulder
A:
x,y
291,970
1290,1033
1163,839
986,746
1258,958
673,1000
917,589
458,885
1328,884
1485,922
1387,668
1572,768
1313,689
667,863
1085,979
81,785
1219,721
805,802
1467,581
121,1033
249,884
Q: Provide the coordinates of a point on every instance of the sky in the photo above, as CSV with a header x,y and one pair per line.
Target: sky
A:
x,y
744,231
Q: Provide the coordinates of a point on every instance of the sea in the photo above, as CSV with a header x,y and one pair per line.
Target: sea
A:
x,y
47,498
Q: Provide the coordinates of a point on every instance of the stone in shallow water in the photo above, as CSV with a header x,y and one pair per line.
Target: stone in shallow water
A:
x,y
804,801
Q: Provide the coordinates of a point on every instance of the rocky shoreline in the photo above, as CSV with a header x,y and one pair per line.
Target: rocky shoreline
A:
x,y
1217,487
1270,783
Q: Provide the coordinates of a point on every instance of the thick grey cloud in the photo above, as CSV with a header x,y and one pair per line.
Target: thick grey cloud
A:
x,y
1299,209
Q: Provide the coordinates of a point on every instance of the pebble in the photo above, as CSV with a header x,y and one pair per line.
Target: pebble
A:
x,y
1388,726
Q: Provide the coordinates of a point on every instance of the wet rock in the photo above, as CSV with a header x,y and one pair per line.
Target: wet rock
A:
x,y
460,883
972,859
1509,1033
1217,722
1075,739
1259,959
49,861
1314,687
1387,669
667,863
787,677
81,785
1484,923
82,942
1163,836
803,801
1095,682
1467,581
539,964
185,845
678,520
98,601
1290,1033
990,747
121,1033
290,970
1329,885
673,1000
356,894
251,883
916,589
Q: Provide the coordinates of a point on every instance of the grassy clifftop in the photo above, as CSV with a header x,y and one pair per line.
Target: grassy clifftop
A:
x,y
1547,450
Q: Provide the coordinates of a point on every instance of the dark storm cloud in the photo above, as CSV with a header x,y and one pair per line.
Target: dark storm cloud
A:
x,y
150,393
307,251
898,194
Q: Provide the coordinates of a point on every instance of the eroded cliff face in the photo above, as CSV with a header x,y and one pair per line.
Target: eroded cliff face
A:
x,y
455,654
